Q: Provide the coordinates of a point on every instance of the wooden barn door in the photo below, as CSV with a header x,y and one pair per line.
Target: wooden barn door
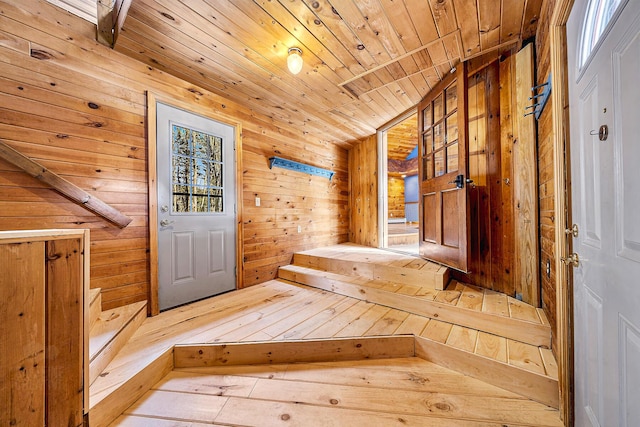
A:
x,y
442,121
196,207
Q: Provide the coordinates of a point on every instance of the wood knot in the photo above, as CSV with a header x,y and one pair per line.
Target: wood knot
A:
x,y
285,417
40,54
443,406
334,401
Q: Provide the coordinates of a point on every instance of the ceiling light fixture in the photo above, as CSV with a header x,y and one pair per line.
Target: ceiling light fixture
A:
x,y
294,61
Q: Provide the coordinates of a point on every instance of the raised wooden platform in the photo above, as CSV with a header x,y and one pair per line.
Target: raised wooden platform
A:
x,y
403,234
375,264
351,381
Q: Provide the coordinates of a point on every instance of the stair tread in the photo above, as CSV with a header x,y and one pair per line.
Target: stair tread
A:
x,y
373,263
450,296
459,304
109,324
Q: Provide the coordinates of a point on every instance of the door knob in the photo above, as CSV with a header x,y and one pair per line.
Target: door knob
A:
x,y
572,231
165,222
572,259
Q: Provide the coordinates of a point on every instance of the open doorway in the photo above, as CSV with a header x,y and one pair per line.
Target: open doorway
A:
x,y
400,208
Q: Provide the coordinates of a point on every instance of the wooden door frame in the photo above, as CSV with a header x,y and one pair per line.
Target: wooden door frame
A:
x,y
152,99
383,179
562,202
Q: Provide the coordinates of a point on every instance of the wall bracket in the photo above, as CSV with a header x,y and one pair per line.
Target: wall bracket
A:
x,y
299,167
541,94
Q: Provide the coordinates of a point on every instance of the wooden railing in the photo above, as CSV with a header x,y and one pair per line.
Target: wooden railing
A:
x,y
61,185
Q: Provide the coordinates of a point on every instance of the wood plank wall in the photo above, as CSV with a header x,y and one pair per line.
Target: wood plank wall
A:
x,y
546,182
79,109
395,195
363,190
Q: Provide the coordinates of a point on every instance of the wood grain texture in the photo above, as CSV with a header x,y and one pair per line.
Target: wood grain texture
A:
x,y
398,391
80,111
65,333
491,203
22,366
525,186
363,193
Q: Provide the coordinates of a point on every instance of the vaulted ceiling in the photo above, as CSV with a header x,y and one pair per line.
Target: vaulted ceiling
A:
x,y
365,61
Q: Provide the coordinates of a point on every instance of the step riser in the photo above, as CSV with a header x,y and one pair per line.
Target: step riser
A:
x,y
534,334
529,384
95,308
103,356
432,279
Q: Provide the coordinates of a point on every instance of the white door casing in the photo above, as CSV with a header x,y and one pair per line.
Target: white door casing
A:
x,y
196,207
605,178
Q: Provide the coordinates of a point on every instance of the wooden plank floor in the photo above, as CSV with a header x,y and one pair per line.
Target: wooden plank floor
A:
x,y
278,310
404,391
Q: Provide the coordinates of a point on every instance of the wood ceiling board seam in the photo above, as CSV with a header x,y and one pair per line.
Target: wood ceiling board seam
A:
x,y
349,13
446,22
383,27
399,18
423,18
236,45
277,32
467,16
225,91
489,22
406,55
531,17
342,32
512,17
282,13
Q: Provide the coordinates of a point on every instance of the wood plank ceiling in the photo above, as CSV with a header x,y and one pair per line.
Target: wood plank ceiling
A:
x,y
365,61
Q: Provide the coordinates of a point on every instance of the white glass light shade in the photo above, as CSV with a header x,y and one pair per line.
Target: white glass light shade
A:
x,y
294,61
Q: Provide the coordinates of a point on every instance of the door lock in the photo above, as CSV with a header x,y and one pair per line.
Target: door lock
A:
x,y
165,222
459,181
571,259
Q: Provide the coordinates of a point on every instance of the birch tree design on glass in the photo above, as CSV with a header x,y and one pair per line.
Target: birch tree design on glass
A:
x,y
197,161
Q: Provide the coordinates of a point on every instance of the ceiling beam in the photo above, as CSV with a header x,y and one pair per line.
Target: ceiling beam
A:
x,y
111,17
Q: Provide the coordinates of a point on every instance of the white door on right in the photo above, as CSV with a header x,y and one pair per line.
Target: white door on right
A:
x,y
604,90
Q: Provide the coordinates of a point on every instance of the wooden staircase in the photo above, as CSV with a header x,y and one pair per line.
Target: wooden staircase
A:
x,y
110,330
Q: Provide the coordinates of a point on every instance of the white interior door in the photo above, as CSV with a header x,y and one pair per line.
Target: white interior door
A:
x,y
196,207
606,207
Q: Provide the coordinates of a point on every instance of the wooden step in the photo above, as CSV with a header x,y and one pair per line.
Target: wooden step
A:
x,y
110,333
460,304
371,263
278,310
95,306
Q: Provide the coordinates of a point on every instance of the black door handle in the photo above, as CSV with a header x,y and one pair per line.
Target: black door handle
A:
x,y
459,181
